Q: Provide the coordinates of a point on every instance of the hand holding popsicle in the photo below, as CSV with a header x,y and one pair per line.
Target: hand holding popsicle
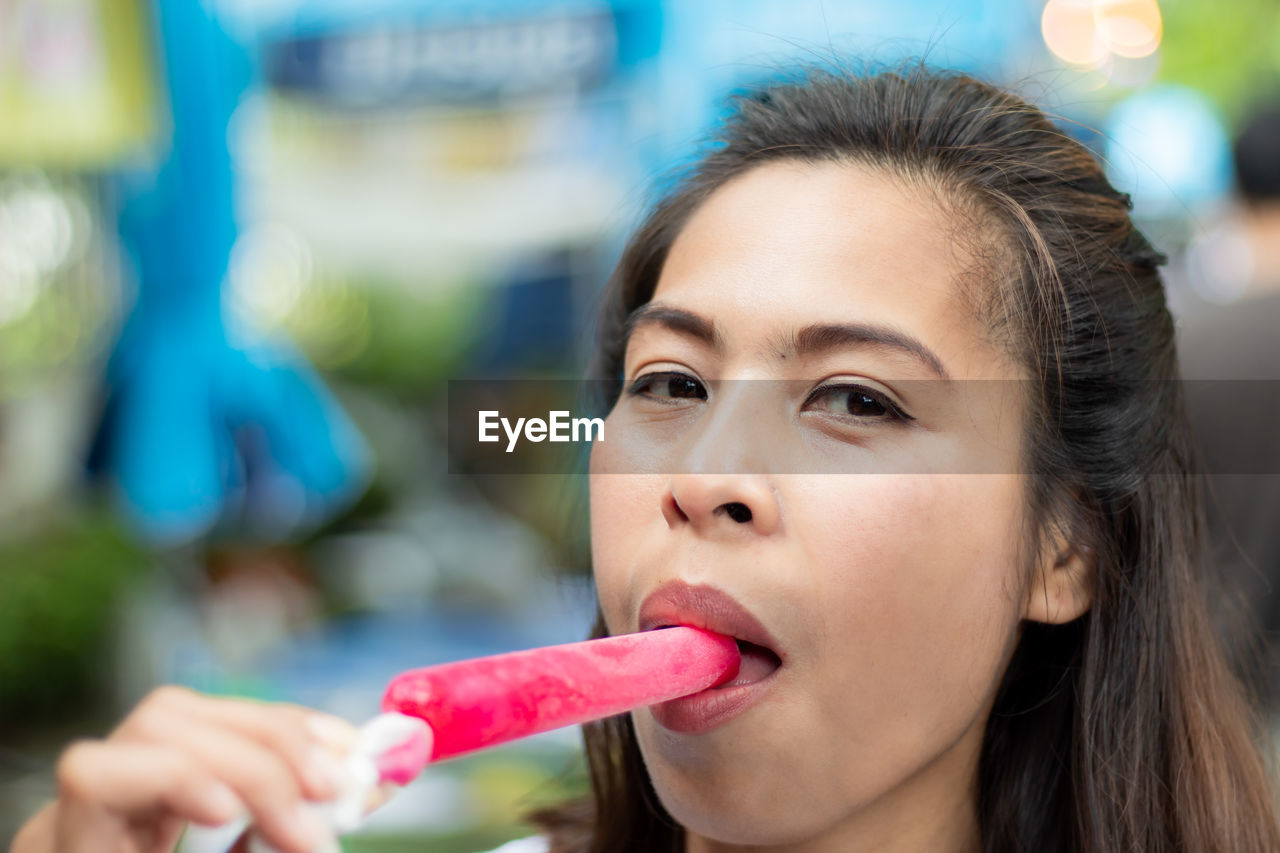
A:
x,y
364,784
443,711
181,757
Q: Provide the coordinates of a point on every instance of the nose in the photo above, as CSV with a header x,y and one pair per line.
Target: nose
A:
x,y
721,484
728,503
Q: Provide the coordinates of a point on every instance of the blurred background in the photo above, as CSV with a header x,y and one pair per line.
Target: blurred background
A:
x,y
245,243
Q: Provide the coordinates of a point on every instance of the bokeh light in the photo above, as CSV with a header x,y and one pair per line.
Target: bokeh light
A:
x,y
269,269
1168,148
1071,32
1087,33
56,305
19,284
1221,263
1129,28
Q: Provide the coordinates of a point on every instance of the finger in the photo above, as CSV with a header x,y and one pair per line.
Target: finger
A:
x,y
261,778
282,729
135,781
334,732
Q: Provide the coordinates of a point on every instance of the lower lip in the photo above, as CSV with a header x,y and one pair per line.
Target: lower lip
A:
x,y
711,708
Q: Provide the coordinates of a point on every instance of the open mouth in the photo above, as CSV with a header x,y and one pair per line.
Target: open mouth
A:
x,y
711,609
758,663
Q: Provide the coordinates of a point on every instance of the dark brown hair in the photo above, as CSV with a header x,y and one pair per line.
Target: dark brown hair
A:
x,y
1123,730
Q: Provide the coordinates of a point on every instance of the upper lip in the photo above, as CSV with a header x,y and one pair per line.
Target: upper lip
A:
x,y
707,607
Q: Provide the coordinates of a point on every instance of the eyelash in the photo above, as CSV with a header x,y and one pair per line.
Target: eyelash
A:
x,y
892,411
642,386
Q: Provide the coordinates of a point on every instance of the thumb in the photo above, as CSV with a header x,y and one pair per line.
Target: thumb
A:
x,y
377,759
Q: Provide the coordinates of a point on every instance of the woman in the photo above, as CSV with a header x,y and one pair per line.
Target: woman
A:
x,y
951,517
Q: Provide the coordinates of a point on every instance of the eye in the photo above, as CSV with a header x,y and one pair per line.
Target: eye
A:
x,y
855,401
667,385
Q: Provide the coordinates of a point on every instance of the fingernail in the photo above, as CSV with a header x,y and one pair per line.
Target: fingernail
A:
x,y
325,771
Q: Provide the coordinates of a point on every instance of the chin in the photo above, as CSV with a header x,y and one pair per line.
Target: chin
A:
x,y
729,820
732,805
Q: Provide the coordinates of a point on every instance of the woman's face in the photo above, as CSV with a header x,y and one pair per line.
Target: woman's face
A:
x,y
865,539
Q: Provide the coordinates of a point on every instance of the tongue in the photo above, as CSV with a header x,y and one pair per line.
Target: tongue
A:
x,y
757,663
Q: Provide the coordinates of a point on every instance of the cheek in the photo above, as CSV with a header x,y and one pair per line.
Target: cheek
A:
x,y
919,571
622,506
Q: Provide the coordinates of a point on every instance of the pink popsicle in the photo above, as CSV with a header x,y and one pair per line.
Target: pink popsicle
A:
x,y
477,703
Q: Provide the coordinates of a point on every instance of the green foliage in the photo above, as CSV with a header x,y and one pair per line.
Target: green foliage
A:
x,y
1229,51
501,787
57,593
462,842
383,335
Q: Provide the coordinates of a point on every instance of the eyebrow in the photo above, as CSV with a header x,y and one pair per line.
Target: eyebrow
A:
x,y
676,319
824,337
811,340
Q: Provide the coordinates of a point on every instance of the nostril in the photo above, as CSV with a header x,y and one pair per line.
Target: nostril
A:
x,y
672,511
739,512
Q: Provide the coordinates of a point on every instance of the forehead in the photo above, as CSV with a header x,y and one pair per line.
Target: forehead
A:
x,y
789,244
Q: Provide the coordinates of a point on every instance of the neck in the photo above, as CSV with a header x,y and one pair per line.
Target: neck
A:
x,y
934,810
